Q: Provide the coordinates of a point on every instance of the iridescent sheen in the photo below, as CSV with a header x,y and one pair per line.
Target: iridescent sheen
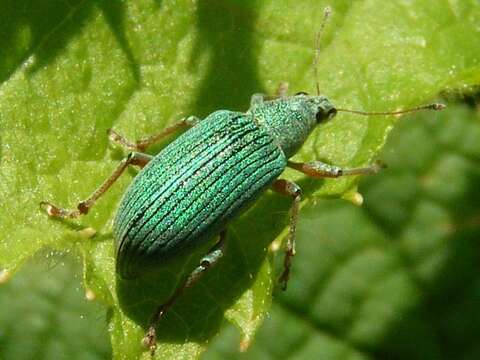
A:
x,y
201,181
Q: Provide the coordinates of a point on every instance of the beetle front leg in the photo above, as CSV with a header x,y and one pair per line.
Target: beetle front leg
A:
x,y
84,206
258,99
318,169
209,260
143,143
288,188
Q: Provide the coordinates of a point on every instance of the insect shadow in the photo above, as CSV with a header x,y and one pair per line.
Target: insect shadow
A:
x,y
199,313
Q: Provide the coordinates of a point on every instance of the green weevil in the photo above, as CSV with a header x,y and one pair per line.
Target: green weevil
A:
x,y
191,190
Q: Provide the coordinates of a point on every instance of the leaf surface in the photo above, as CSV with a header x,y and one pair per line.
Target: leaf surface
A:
x,y
74,69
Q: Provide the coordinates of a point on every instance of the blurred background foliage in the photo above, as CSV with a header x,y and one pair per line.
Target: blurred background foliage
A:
x,y
393,279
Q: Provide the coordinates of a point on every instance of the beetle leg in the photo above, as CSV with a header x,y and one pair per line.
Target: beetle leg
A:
x,y
143,143
282,90
318,169
209,260
134,158
291,189
259,98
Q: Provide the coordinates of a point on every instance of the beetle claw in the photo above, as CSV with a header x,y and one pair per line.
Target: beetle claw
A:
x,y
283,279
150,340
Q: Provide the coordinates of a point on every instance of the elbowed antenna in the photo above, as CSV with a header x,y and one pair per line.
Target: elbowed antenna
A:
x,y
326,14
434,106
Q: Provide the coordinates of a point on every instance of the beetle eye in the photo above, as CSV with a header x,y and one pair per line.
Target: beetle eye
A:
x,y
323,117
331,113
301,93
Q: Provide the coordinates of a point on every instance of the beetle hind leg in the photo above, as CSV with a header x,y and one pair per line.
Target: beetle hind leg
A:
x,y
206,262
289,188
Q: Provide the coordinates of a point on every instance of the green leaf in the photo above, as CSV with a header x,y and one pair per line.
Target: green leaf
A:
x,y
397,278
72,70
45,315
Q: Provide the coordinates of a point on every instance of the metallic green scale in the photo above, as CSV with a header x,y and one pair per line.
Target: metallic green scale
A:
x,y
201,181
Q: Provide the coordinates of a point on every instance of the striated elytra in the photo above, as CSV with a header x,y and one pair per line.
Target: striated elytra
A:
x,y
207,176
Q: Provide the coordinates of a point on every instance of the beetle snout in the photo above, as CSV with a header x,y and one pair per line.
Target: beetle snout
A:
x,y
323,115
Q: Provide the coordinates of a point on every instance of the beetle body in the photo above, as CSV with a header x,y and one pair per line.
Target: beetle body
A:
x,y
207,176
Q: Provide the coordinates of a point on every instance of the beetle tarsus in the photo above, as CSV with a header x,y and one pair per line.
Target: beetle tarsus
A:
x,y
123,141
150,340
283,279
57,212
287,264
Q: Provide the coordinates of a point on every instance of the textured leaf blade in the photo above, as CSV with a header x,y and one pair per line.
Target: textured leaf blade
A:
x,y
140,66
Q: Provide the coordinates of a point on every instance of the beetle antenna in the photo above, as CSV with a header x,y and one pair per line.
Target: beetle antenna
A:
x,y
434,106
326,13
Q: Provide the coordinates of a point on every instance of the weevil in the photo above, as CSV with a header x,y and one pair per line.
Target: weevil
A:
x,y
191,190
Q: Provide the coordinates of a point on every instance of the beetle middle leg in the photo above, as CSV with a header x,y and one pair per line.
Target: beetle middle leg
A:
x,y
318,169
84,206
143,143
206,262
291,189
